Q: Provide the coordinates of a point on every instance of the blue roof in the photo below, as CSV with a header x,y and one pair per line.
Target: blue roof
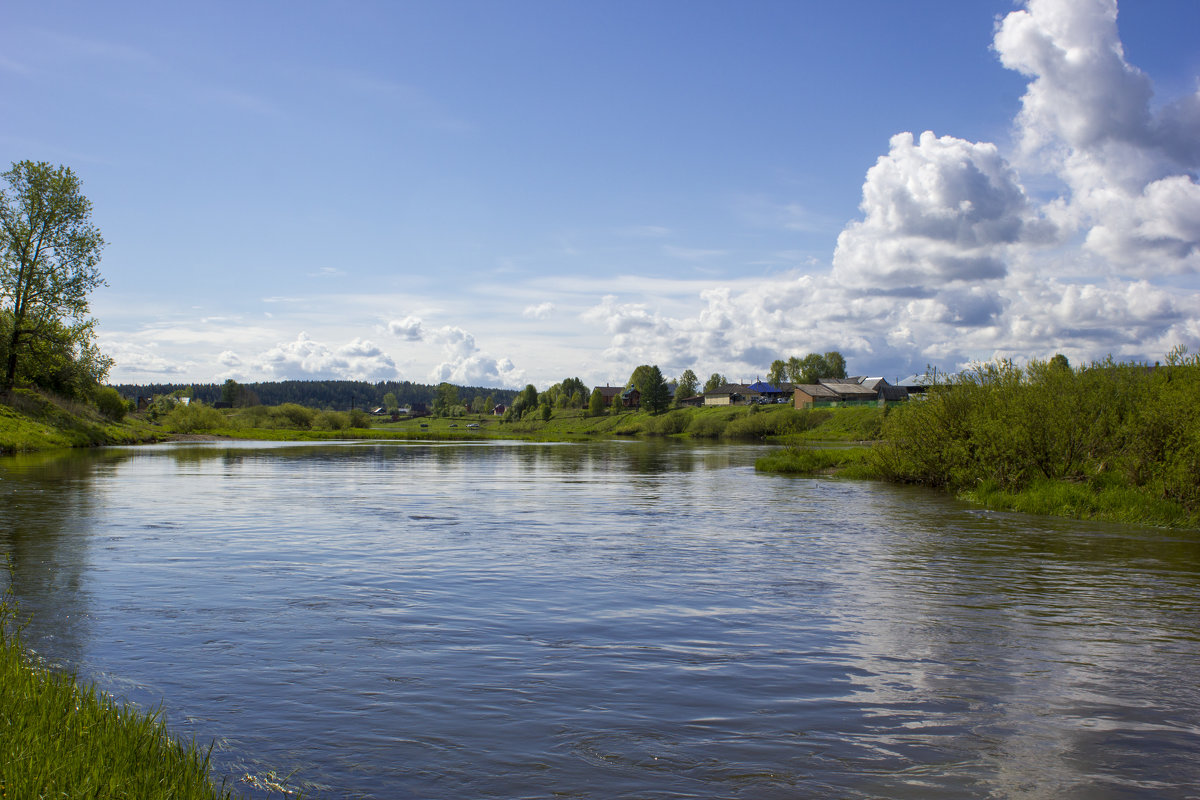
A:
x,y
763,386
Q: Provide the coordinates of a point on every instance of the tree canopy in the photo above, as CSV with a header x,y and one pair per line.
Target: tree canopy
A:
x,y
813,367
49,257
687,385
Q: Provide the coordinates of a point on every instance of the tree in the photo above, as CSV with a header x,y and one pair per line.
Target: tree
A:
x,y
391,403
49,252
526,400
835,364
445,400
656,397
777,375
814,366
688,383
595,404
714,381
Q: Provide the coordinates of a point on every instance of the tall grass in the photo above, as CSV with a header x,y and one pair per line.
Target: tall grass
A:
x,y
61,739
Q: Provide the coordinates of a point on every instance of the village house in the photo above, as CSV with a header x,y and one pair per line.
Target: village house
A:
x,y
843,391
609,393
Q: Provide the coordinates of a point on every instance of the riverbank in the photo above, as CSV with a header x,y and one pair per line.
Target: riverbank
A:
x,y
32,421
59,738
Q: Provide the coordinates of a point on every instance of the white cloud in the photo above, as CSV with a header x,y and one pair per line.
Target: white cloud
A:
x,y
938,211
408,328
1086,117
306,358
464,364
540,311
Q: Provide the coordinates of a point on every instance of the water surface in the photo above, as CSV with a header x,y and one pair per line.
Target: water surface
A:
x,y
626,619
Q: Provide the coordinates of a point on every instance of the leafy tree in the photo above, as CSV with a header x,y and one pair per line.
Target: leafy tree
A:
x,y
595,404
66,361
229,391
835,364
1060,362
688,383
777,374
525,401
714,381
637,377
656,396
814,366
391,403
49,252
445,401
576,399
546,411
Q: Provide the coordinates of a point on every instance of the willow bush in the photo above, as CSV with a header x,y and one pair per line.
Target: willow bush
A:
x,y
1009,427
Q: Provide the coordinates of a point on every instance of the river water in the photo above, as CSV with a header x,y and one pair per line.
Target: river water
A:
x,y
610,620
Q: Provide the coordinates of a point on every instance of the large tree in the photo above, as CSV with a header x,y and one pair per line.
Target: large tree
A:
x,y
686,386
49,257
814,366
656,395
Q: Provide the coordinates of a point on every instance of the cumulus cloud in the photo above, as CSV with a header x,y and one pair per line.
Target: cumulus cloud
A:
x,y
1087,118
938,210
466,365
306,358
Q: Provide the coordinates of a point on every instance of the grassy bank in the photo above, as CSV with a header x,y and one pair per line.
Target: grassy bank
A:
x,y
742,423
1114,442
31,420
60,739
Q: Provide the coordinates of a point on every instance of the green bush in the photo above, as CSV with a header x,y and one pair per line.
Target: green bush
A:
x,y
194,416
330,421
294,415
1011,428
110,403
669,424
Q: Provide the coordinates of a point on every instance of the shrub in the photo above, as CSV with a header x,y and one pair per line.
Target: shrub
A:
x,y
669,424
294,415
194,417
330,421
110,403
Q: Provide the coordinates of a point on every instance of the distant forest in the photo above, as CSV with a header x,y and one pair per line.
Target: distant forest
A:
x,y
334,395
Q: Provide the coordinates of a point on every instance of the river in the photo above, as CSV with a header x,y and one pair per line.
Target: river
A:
x,y
609,620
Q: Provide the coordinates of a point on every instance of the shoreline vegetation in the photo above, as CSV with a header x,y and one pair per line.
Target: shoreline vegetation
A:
x,y
63,738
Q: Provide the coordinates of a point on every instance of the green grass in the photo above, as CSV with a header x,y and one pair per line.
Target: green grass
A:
x,y
1106,501
59,739
31,420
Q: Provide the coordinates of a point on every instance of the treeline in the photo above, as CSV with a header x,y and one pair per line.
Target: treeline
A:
x,y
335,395
1105,428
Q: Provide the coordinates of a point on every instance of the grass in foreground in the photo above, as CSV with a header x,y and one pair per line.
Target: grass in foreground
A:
x,y
59,739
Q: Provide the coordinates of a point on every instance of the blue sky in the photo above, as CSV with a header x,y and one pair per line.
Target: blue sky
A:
x,y
505,193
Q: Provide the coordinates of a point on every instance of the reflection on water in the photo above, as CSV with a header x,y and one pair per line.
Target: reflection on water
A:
x,y
623,619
